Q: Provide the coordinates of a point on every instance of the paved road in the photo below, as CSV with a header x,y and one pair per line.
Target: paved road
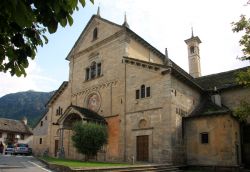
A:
x,y
11,163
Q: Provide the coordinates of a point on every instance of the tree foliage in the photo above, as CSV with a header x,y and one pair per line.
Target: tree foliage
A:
x,y
243,78
243,25
88,138
243,110
23,24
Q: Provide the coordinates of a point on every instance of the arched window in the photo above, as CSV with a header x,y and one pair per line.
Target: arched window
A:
x,y
142,91
93,70
192,49
142,123
95,33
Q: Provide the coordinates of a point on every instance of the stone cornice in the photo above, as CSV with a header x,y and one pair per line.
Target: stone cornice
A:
x,y
138,129
95,88
143,64
145,110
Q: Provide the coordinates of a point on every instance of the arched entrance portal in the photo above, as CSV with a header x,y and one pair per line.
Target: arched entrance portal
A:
x,y
70,120
71,115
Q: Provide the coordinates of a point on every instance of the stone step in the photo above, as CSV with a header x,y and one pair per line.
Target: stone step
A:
x,y
135,168
152,170
149,169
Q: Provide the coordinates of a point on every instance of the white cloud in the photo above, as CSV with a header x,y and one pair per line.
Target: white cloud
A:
x,y
33,81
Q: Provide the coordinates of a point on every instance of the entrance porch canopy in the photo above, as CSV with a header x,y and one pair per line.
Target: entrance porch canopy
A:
x,y
75,113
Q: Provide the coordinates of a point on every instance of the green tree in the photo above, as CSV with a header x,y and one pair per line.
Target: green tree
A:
x,y
243,78
243,110
88,138
243,25
23,24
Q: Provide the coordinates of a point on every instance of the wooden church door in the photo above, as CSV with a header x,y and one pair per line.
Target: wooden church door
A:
x,y
56,147
142,148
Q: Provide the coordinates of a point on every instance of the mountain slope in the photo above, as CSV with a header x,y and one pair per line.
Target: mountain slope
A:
x,y
30,104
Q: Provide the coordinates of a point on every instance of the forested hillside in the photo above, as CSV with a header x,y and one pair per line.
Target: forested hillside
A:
x,y
30,104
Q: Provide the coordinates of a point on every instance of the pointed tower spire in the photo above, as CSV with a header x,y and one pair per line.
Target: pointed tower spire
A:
x,y
98,11
125,21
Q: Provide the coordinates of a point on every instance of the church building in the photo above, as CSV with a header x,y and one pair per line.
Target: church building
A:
x,y
154,110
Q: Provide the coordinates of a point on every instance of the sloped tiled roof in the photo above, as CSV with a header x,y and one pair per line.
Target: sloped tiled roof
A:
x,y
220,80
12,125
88,114
207,107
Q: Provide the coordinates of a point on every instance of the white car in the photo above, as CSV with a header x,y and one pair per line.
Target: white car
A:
x,y
21,148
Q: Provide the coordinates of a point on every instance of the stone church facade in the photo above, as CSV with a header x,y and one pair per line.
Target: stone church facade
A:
x,y
155,111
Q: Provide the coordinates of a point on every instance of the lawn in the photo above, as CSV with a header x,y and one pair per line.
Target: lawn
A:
x,y
75,163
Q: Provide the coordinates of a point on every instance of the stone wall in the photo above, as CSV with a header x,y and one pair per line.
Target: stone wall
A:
x,y
184,99
41,132
105,30
138,51
223,140
112,148
48,132
232,97
63,101
108,49
149,115
37,148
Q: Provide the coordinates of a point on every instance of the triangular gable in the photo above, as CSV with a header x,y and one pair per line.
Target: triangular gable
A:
x,y
105,29
131,34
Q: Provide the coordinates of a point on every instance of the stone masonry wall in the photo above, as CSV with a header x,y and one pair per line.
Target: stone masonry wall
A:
x,y
223,140
153,111
184,99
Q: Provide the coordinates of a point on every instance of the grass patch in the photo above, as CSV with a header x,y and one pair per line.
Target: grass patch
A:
x,y
76,163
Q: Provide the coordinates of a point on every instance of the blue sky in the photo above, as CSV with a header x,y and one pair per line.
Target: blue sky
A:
x,y
162,23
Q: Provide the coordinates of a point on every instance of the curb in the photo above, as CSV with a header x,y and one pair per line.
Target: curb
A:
x,y
55,167
43,161
9,166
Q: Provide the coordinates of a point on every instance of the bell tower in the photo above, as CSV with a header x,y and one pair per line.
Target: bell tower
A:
x,y
194,55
